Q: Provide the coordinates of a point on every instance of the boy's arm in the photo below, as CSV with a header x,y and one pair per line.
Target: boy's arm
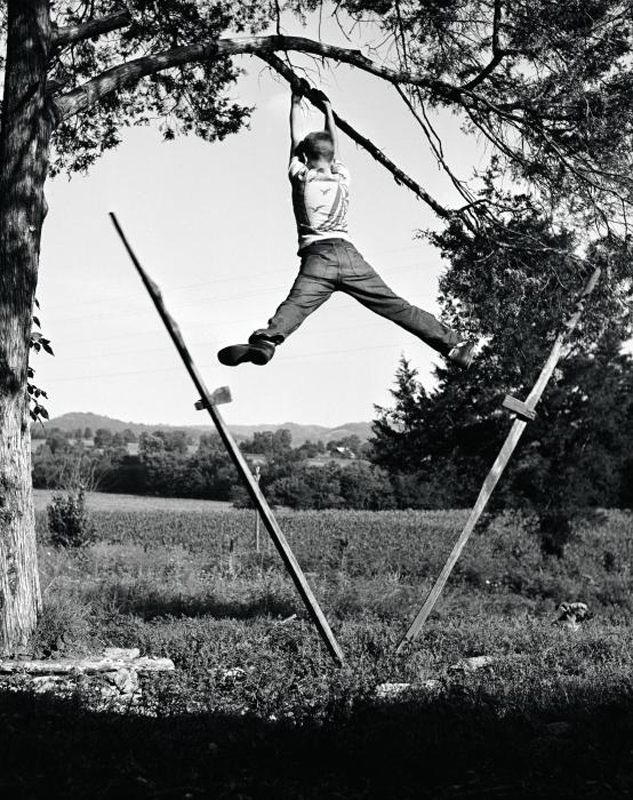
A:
x,y
330,125
295,139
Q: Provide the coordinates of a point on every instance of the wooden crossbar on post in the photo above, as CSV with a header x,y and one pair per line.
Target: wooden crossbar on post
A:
x,y
209,401
524,412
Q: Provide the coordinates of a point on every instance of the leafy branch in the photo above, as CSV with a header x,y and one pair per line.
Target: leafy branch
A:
x,y
38,343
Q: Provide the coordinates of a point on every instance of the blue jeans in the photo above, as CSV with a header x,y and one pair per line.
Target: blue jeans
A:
x,y
335,265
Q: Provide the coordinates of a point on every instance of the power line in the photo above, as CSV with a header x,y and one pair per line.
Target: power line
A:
x,y
215,281
282,358
200,302
212,342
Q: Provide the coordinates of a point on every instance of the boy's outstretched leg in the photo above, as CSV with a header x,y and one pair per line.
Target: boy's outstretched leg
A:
x,y
364,284
310,290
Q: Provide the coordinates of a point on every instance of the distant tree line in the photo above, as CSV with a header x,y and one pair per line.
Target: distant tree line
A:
x,y
430,449
170,464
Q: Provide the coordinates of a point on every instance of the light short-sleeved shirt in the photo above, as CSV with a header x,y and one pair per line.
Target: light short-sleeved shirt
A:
x,y
320,202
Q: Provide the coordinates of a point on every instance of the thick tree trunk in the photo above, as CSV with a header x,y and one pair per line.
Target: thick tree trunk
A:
x,y
24,145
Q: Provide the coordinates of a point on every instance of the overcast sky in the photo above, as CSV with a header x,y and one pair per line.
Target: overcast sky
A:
x,y
213,225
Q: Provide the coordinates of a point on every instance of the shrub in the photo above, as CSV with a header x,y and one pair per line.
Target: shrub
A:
x,y
63,626
69,522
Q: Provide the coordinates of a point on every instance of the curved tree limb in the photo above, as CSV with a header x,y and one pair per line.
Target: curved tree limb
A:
x,y
132,71
95,27
314,97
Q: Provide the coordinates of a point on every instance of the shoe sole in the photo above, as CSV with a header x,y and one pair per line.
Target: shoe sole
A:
x,y
464,361
242,354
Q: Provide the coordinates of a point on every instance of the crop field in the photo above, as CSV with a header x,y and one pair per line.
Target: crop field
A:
x,y
256,709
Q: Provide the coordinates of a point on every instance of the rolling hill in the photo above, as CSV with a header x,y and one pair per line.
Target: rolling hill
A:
x,y
300,433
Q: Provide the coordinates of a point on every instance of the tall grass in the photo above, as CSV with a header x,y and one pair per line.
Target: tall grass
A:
x,y
257,709
152,571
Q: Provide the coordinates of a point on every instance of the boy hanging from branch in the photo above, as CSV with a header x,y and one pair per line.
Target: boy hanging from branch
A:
x,y
329,260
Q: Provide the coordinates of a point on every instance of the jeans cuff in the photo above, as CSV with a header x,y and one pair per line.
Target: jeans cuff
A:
x,y
263,335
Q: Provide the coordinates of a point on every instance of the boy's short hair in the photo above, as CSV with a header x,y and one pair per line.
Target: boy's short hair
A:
x,y
316,145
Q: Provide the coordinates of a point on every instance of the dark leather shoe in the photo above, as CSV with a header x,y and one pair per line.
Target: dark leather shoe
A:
x,y
462,354
258,352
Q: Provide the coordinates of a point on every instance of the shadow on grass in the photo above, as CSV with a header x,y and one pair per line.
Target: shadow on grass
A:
x,y
438,749
149,605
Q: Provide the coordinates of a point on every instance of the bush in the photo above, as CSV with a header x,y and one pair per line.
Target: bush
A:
x,y
63,626
69,523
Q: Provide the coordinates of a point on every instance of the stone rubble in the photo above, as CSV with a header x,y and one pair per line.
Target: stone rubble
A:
x,y
112,680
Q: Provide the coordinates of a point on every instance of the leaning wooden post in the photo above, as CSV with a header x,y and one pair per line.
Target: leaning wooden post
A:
x,y
525,412
209,402
258,474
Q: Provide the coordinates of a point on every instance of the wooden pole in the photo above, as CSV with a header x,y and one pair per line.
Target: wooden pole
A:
x,y
258,473
500,464
238,459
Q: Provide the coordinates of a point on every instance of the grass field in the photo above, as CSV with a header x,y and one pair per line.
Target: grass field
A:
x,y
256,709
100,501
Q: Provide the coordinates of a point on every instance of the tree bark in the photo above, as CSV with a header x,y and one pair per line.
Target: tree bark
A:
x,y
24,147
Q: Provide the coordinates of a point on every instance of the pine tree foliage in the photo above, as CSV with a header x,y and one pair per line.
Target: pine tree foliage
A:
x,y
547,83
575,454
192,98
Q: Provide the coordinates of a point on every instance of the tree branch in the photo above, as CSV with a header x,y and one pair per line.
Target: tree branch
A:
x,y
496,24
95,27
432,139
314,97
132,71
498,53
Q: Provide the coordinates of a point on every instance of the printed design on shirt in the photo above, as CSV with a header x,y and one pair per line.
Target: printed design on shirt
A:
x,y
320,209
301,211
337,218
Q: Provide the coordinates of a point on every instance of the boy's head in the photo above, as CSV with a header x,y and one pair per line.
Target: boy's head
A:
x,y
317,147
